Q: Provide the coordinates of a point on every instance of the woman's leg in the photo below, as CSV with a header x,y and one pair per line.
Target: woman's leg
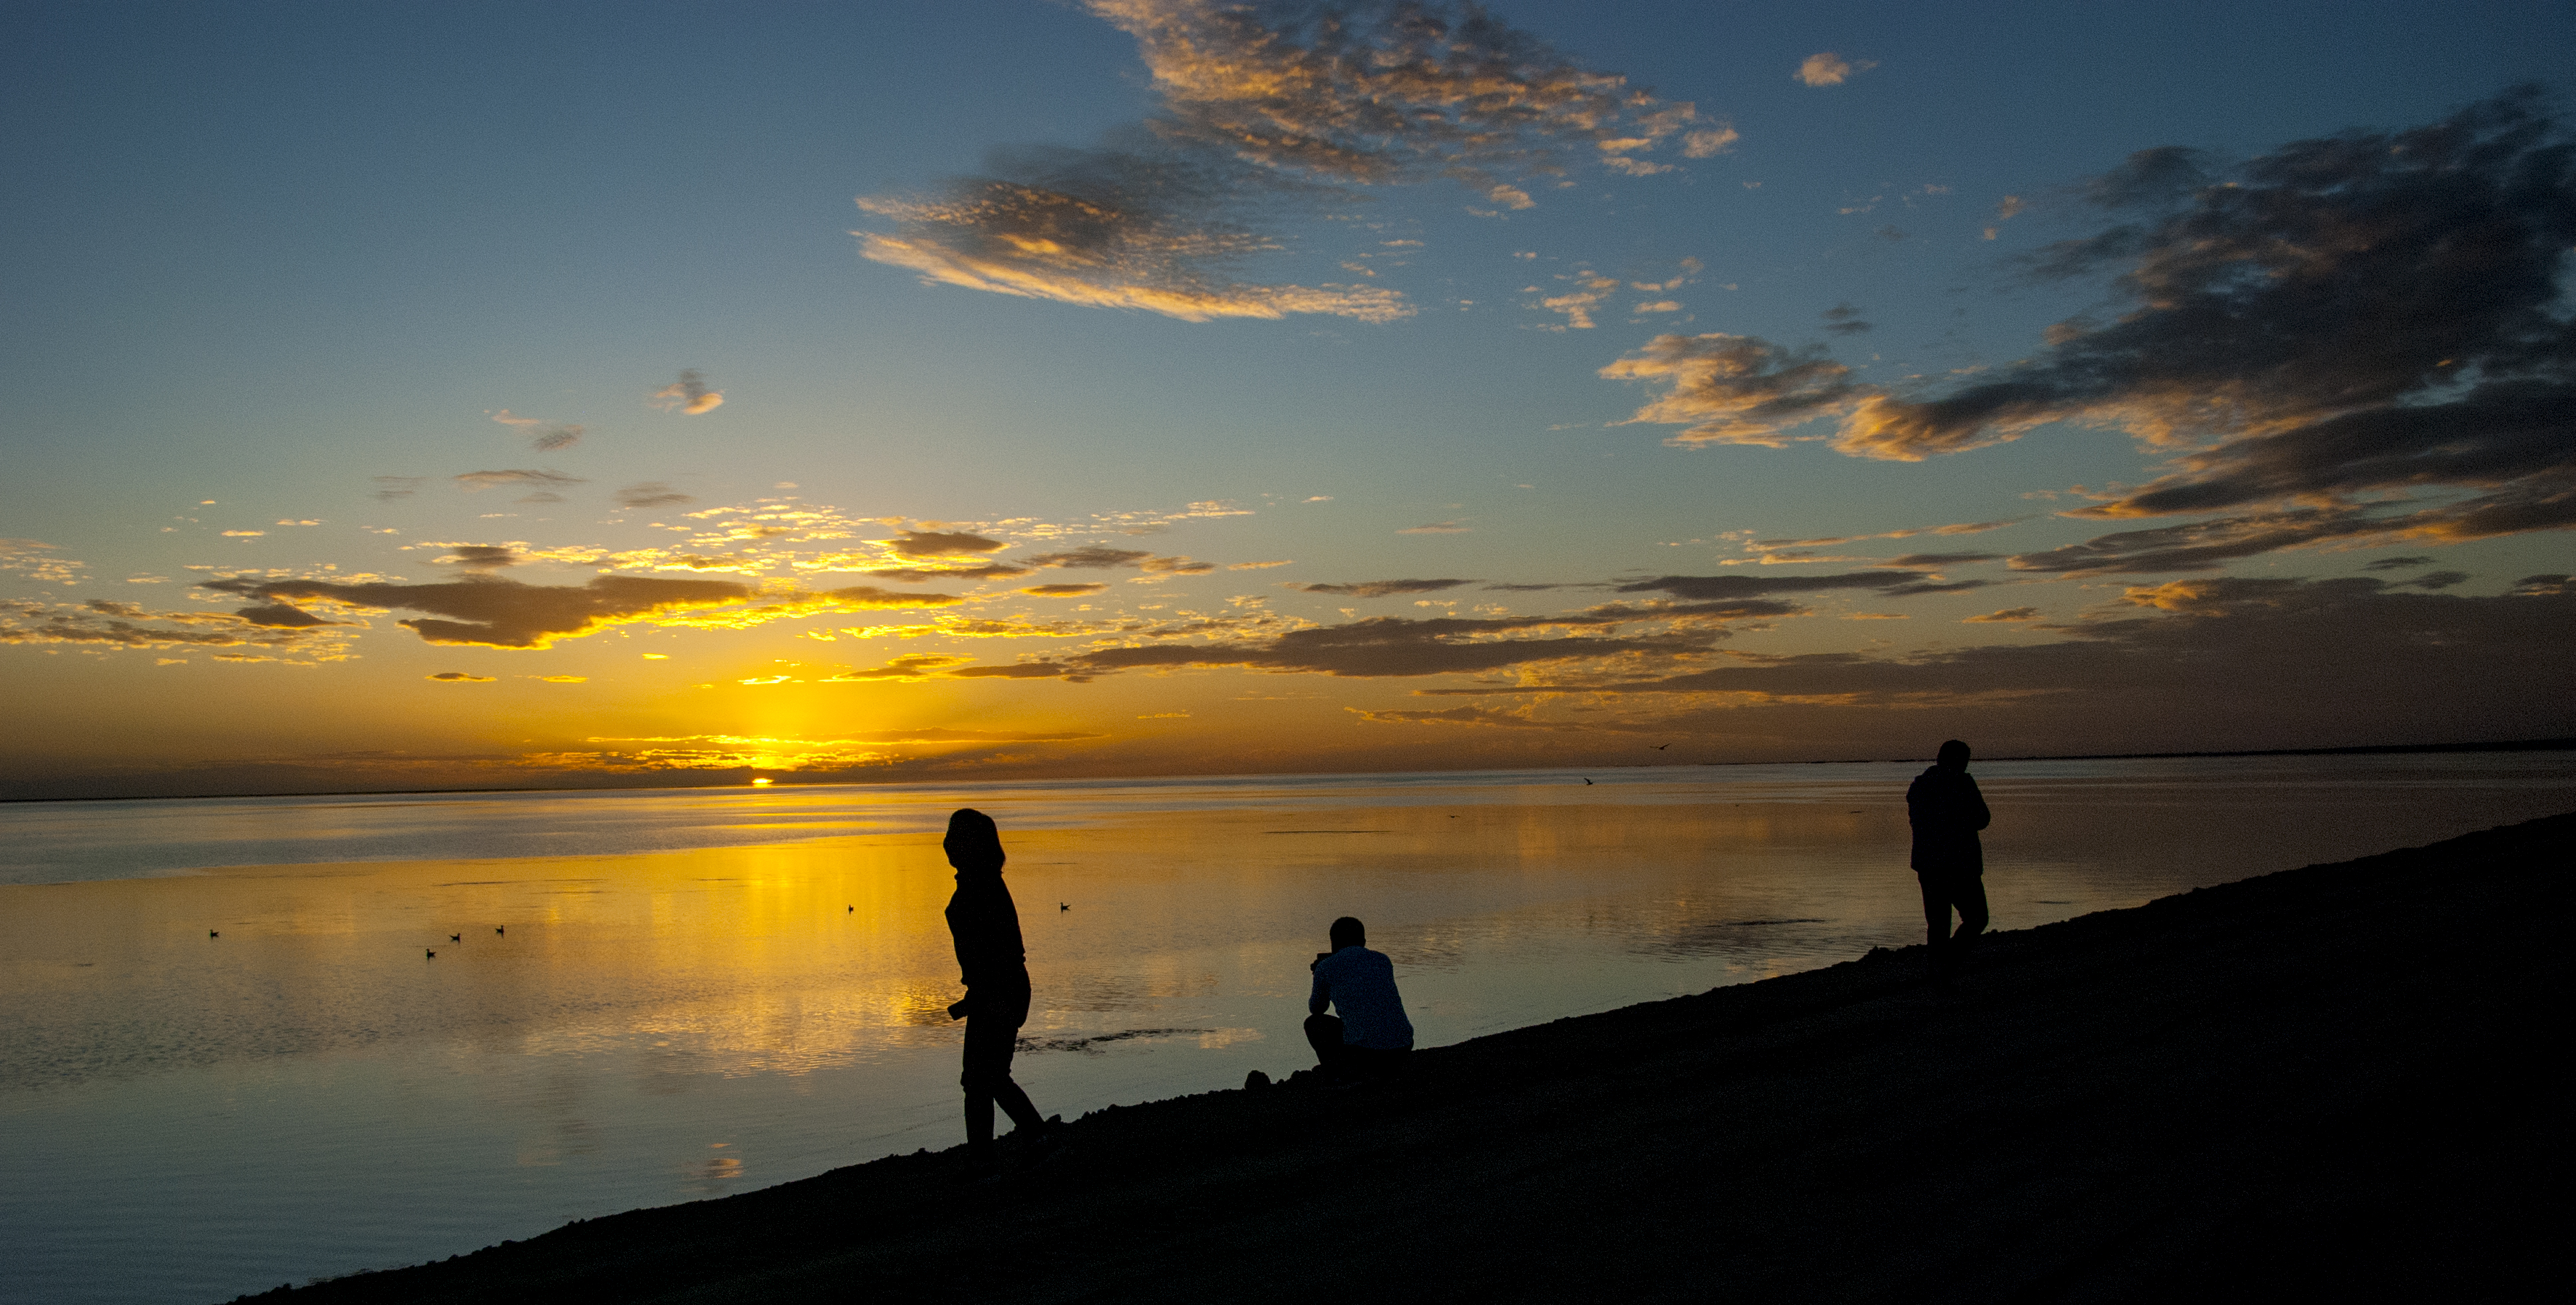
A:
x,y
981,1070
1016,1104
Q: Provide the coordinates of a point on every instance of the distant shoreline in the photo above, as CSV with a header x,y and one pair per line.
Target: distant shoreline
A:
x,y
2564,744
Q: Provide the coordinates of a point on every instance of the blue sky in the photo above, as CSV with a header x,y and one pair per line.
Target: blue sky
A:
x,y
275,265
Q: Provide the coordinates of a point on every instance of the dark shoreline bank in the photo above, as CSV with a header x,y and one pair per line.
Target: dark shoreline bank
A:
x,y
2327,1080
786,780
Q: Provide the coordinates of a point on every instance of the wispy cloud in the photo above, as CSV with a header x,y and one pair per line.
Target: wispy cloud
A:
x,y
1734,389
915,575
687,396
1826,68
1589,289
2160,668
542,482
1378,647
459,677
651,494
1382,588
40,561
107,624
478,557
1377,92
1728,588
2350,338
500,613
935,543
1094,556
1936,561
914,667
547,436
1264,108
1102,557
1710,142
686,752
1151,228
2222,647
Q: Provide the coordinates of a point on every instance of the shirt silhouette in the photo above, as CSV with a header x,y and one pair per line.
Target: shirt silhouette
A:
x,y
1370,1037
1946,811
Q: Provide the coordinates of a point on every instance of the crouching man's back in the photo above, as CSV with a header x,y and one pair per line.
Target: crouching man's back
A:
x,y
1371,1035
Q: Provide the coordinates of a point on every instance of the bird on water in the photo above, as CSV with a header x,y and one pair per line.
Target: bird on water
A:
x,y
433,956
212,934
501,928
456,937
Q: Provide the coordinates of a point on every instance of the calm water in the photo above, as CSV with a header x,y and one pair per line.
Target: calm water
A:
x,y
703,992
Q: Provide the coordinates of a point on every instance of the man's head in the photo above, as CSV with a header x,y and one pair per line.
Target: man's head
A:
x,y
972,843
1954,755
1348,932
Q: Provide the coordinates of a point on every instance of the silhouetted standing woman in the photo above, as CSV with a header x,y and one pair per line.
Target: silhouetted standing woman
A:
x,y
986,928
1946,810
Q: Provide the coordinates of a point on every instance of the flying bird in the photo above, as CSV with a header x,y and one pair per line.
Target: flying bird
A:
x,y
1063,906
501,929
433,956
1587,779
456,937
1661,746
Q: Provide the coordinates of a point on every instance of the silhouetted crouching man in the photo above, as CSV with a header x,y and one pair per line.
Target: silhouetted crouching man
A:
x,y
1946,810
1372,1037
986,928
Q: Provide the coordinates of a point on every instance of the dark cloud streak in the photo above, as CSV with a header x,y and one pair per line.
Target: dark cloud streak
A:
x,y
1382,588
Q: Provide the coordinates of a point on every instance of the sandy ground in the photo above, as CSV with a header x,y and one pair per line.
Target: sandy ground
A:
x,y
2329,1081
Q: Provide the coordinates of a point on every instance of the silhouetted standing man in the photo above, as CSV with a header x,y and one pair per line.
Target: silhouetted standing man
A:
x,y
1946,810
986,928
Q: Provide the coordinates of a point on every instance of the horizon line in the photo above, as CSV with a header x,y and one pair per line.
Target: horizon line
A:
x,y
2554,744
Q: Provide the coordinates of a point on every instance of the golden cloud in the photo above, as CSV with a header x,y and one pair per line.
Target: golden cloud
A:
x,y
502,613
104,623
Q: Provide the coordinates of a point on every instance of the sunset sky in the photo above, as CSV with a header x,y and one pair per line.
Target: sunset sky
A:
x,y
502,395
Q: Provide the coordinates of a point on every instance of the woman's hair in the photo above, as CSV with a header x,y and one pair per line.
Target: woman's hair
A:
x,y
972,843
